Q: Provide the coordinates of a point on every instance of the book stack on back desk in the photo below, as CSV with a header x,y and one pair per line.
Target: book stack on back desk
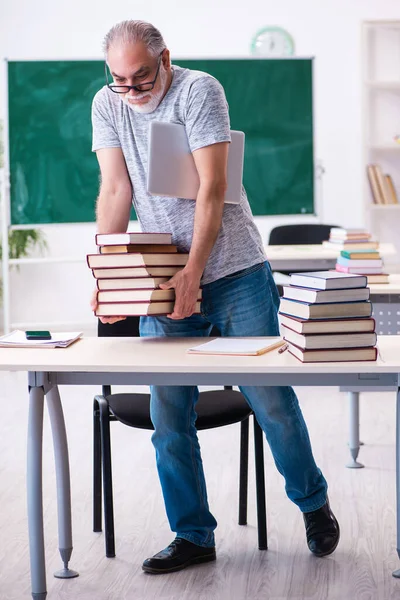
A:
x,y
326,316
129,269
359,254
352,239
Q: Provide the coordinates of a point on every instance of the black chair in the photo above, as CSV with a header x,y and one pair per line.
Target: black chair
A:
x,y
214,409
301,233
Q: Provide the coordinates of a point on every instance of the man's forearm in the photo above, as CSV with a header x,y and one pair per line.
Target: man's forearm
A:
x,y
112,212
207,223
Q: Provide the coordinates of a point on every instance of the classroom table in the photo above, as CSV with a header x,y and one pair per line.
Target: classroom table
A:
x,y
162,361
317,257
385,298
310,257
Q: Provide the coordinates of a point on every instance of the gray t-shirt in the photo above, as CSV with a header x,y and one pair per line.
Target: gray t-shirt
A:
x,y
196,100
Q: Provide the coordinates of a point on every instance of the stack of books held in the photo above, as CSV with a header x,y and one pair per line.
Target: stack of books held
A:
x,y
129,268
326,316
382,187
359,254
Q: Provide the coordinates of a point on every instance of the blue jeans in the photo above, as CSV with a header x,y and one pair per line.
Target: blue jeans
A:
x,y
242,304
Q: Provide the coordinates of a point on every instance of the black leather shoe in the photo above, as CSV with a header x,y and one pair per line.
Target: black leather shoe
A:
x,y
322,530
177,556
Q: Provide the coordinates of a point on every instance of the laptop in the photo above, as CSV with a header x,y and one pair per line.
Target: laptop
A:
x,y
171,167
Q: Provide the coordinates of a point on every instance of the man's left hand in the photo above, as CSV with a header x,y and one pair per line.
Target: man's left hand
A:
x,y
186,285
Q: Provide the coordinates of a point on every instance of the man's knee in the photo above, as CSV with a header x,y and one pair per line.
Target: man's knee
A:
x,y
274,404
172,410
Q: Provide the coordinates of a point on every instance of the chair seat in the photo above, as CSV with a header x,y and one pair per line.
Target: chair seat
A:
x,y
214,409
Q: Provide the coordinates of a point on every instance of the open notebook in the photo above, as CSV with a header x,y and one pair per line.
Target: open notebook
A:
x,y
238,346
17,339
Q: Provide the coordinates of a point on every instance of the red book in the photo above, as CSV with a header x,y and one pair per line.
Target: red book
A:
x,y
137,295
134,272
136,259
145,248
344,325
329,341
333,355
137,309
131,283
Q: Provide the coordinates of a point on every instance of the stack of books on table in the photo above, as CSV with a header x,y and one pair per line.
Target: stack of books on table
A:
x,y
326,316
362,262
129,269
351,239
359,254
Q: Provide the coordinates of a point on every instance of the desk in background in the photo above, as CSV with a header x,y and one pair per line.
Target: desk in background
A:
x,y
146,361
310,257
386,309
385,298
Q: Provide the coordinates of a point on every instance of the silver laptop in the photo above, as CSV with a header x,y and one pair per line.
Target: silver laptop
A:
x,y
171,167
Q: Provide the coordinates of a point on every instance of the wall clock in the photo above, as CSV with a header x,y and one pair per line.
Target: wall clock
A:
x,y
272,42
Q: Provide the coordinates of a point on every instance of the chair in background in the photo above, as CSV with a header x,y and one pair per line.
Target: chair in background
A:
x,y
214,409
301,233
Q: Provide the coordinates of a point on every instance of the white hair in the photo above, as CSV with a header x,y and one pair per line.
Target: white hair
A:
x,y
128,32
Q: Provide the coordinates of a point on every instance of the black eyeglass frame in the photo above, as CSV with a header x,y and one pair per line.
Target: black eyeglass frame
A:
x,y
147,86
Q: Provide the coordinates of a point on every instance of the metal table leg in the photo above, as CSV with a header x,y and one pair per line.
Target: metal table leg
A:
x,y
397,572
35,493
63,481
354,430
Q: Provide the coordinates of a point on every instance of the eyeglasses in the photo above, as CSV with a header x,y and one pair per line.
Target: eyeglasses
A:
x,y
141,87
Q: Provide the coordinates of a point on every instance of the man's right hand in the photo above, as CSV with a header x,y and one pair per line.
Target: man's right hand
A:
x,y
109,320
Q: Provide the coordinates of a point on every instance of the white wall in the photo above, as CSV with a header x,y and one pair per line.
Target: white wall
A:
x,y
328,30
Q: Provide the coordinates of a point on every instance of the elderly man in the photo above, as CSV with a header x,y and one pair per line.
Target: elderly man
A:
x,y
226,258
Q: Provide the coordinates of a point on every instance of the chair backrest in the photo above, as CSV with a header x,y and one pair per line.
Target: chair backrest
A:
x,y
129,327
302,233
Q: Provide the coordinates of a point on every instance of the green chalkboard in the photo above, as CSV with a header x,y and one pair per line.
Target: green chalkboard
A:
x,y
55,176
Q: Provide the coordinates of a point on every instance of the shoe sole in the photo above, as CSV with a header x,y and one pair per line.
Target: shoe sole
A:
x,y
321,554
193,561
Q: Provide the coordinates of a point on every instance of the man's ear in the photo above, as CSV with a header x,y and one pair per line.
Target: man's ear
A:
x,y
166,59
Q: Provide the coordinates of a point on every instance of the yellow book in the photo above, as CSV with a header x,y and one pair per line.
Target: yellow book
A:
x,y
382,185
376,194
392,190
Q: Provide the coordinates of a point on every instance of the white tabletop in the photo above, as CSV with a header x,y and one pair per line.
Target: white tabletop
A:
x,y
313,251
161,355
393,287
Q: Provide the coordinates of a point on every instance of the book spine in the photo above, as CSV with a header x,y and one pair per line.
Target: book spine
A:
x,y
392,190
382,184
376,195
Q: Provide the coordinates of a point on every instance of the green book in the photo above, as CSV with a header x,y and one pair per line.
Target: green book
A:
x,y
360,254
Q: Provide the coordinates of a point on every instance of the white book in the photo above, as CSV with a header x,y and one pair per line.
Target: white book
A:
x,y
17,339
134,237
322,296
237,346
367,262
328,280
341,231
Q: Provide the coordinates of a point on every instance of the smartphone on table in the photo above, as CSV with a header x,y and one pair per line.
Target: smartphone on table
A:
x,y
38,335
